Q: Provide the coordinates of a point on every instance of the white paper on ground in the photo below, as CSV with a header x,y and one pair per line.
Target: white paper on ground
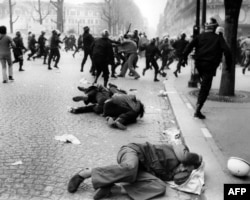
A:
x,y
68,138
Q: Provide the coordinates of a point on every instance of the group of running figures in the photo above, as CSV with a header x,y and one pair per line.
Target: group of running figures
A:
x,y
104,52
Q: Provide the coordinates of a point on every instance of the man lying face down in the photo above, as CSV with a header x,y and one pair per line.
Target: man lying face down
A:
x,y
115,104
142,170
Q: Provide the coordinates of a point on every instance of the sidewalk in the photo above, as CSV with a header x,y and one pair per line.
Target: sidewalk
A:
x,y
223,121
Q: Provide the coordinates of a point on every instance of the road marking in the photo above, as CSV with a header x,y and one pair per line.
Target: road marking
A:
x,y
189,106
206,133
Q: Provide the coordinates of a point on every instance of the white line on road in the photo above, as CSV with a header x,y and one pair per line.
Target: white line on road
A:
x,y
189,106
206,133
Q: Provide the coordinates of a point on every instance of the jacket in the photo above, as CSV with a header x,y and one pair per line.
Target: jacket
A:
x,y
160,160
209,48
102,49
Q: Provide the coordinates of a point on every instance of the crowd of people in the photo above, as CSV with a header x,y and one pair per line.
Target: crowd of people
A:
x,y
143,167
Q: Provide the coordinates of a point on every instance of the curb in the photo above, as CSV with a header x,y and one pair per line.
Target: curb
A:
x,y
199,139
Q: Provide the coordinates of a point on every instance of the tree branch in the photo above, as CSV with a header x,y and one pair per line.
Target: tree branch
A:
x,y
15,19
54,21
54,4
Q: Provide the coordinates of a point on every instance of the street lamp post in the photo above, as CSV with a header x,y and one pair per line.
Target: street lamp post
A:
x,y
196,30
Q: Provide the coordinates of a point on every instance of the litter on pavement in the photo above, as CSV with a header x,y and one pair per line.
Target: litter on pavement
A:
x,y
68,138
17,163
162,93
195,182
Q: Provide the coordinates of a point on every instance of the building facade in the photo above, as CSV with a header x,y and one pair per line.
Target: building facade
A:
x,y
180,16
76,16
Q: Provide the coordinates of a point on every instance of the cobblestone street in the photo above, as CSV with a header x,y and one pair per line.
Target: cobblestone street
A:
x,y
34,109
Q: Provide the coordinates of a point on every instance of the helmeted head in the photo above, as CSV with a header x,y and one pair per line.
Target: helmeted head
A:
x,y
211,25
219,30
86,29
183,36
105,33
18,34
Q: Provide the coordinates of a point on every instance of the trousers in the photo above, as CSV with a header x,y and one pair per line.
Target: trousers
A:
x,y
4,60
139,184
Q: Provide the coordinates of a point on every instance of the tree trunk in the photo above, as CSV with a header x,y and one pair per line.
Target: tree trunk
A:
x,y
11,16
59,7
232,11
40,12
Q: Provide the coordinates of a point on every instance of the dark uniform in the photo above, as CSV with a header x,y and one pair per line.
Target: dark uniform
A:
x,y
102,56
209,48
88,40
151,52
32,46
179,46
54,49
42,48
18,50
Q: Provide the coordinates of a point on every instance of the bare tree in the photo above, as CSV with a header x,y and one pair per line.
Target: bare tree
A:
x,y
109,12
58,5
232,10
118,14
39,8
11,7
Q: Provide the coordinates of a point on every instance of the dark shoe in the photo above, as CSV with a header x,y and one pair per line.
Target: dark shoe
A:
x,y
5,81
82,89
120,75
143,72
49,68
101,193
45,63
11,78
243,70
176,75
28,58
156,80
74,183
137,77
81,70
199,115
78,98
113,76
21,70
56,66
112,85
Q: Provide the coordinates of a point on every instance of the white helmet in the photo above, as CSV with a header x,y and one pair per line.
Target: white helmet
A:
x,y
238,167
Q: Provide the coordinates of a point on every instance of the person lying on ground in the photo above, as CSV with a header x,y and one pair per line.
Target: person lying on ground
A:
x,y
94,98
142,170
122,109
